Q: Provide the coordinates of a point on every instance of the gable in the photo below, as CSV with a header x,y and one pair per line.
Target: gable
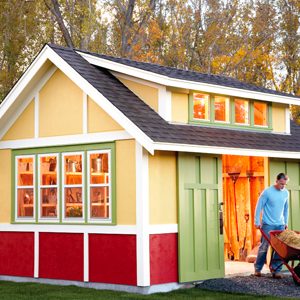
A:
x,y
23,127
99,120
60,107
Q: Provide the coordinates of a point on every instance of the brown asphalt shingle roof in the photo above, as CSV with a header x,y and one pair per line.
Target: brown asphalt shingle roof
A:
x,y
160,130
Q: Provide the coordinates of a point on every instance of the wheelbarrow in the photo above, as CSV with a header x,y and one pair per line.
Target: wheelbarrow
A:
x,y
287,254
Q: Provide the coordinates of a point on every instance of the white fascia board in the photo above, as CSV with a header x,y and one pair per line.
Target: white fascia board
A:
x,y
224,150
105,104
186,84
23,81
75,139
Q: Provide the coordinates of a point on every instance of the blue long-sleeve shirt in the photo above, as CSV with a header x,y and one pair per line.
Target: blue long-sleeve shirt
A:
x,y
274,204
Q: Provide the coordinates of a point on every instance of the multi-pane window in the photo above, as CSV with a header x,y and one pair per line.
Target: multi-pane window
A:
x,y
64,186
201,106
229,111
25,187
241,111
221,109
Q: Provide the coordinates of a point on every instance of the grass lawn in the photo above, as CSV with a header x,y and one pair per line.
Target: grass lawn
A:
x,y
24,291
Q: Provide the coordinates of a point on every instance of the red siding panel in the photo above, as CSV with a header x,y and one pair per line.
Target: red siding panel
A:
x,y
17,253
112,258
61,256
163,258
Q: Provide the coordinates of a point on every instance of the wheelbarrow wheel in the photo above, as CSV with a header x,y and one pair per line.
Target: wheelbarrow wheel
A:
x,y
297,271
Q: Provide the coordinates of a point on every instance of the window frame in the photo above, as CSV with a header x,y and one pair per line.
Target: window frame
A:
x,y
59,150
40,186
16,187
231,123
89,185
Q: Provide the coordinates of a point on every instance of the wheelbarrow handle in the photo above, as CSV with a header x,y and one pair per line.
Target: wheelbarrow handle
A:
x,y
265,235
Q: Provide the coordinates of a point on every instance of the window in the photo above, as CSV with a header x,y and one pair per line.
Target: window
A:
x,y
99,187
201,106
48,186
25,188
73,184
228,111
241,111
260,113
221,109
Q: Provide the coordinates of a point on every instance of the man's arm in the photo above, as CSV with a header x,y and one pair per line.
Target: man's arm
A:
x,y
259,206
286,211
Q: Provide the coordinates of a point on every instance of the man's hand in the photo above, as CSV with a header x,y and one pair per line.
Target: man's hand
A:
x,y
257,226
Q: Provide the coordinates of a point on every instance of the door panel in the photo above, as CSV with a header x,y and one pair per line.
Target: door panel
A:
x,y
292,169
200,242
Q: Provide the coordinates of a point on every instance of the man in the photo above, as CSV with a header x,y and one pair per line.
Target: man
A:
x,y
273,203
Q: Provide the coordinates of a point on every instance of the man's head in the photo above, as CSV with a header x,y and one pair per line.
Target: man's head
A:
x,y
281,181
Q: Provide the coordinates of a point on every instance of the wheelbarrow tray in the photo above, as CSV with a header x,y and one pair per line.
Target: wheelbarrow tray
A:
x,y
285,251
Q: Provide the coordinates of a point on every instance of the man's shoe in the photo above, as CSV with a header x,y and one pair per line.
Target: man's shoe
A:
x,y
277,276
257,274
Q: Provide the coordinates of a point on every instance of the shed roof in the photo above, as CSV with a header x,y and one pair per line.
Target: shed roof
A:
x,y
161,131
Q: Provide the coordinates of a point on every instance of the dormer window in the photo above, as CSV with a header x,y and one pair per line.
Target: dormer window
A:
x,y
241,111
260,113
229,111
221,108
201,106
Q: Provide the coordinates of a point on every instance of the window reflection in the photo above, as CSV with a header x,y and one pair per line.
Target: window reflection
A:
x,y
221,109
241,109
201,106
260,114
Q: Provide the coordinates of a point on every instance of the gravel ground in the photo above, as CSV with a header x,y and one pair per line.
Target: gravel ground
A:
x,y
264,285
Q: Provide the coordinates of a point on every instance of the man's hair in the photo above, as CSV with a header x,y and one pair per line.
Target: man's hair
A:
x,y
282,176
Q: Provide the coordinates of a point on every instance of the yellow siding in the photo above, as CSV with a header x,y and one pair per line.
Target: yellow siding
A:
x,y
125,182
23,128
162,188
148,94
60,107
180,108
279,117
99,120
5,186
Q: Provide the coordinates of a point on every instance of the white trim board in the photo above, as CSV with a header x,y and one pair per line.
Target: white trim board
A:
x,y
186,84
224,150
75,139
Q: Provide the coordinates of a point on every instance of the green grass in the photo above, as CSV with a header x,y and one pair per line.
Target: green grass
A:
x,y
35,291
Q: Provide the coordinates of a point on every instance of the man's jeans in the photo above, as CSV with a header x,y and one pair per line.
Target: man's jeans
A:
x,y
276,264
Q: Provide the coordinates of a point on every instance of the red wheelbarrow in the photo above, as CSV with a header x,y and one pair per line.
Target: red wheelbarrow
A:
x,y
287,254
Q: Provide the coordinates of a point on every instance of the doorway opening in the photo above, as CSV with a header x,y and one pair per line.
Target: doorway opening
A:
x,y
244,178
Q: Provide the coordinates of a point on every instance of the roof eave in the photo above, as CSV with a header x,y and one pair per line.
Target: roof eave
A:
x,y
224,150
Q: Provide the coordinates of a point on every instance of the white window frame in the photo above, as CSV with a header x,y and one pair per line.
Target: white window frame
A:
x,y
89,186
82,185
17,187
57,186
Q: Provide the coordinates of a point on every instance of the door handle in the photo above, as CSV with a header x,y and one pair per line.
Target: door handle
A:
x,y
221,217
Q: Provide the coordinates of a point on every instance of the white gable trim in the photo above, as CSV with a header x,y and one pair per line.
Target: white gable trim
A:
x,y
33,95
225,150
186,84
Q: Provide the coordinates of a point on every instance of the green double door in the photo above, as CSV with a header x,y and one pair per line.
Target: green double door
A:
x,y
292,168
200,235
